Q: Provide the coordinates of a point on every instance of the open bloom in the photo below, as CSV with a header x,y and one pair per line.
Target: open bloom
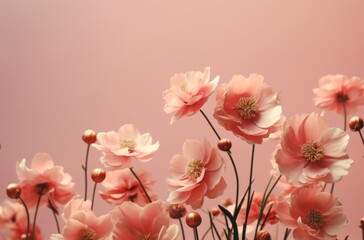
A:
x,y
311,151
335,91
152,221
119,148
312,214
121,185
188,92
45,179
249,108
196,174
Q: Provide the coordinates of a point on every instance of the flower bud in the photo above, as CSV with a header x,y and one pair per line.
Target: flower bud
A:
x,y
263,235
215,211
98,175
177,211
89,136
13,191
356,124
224,144
193,219
227,202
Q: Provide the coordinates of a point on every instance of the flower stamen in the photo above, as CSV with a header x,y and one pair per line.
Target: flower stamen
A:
x,y
128,143
88,234
247,108
341,97
312,151
315,219
194,169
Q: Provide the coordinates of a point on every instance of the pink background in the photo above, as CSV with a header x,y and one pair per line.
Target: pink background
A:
x,y
66,66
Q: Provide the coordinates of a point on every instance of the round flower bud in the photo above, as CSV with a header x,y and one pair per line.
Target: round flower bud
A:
x,y
356,124
224,144
98,175
215,211
13,191
263,235
89,136
193,219
177,211
227,202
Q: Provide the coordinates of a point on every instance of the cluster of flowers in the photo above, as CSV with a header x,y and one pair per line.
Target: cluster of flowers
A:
x,y
310,155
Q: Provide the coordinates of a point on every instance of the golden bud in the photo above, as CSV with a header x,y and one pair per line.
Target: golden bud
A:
x,y
227,202
263,235
193,219
177,211
215,211
89,136
13,191
356,124
224,144
98,175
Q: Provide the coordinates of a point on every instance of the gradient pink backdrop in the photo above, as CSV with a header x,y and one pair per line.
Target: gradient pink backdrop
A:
x,y
66,66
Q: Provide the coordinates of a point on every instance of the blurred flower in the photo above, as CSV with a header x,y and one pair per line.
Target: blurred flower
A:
x,y
119,148
310,151
336,90
44,177
121,185
188,92
249,108
152,221
196,174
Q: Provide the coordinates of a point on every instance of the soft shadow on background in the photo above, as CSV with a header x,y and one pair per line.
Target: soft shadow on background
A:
x,y
66,66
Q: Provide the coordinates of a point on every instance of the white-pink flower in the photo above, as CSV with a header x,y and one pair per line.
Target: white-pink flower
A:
x,y
311,151
119,148
196,174
249,108
45,178
335,91
152,221
121,185
188,93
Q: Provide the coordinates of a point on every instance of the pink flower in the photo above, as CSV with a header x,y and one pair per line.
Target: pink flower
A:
x,y
46,178
152,221
310,151
249,108
196,174
188,92
312,214
336,90
119,148
121,185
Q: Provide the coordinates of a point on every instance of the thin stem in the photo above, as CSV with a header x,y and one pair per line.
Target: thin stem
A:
x,y
40,192
55,212
361,136
93,196
286,234
195,233
28,218
249,189
207,119
141,184
332,188
84,167
182,229
344,108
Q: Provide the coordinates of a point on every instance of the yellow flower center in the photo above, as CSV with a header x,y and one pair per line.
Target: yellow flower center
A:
x,y
315,219
194,169
247,108
128,143
88,234
312,151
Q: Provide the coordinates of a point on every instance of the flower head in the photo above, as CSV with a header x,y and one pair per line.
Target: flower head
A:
x,y
196,174
311,151
188,92
336,90
249,108
119,148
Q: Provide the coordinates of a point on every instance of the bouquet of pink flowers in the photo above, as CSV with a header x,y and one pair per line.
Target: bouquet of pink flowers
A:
x,y
309,159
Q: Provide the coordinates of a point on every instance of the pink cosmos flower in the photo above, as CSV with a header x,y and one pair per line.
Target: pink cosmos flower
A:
x,y
46,178
196,174
312,214
188,92
119,148
121,185
310,151
336,90
249,108
152,221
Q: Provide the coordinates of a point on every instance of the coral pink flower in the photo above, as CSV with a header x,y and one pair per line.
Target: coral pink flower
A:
x,y
119,148
44,177
249,108
336,90
121,185
188,92
312,214
152,221
310,151
196,174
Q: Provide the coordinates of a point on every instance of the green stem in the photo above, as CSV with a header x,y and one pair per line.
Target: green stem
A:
x,y
93,196
84,167
249,189
28,218
141,184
